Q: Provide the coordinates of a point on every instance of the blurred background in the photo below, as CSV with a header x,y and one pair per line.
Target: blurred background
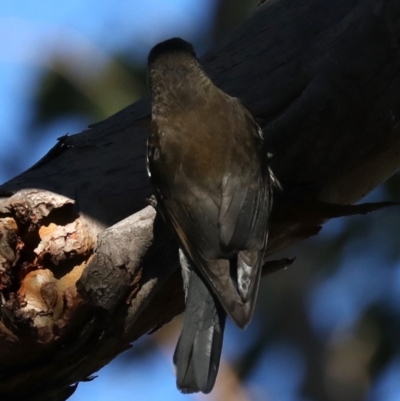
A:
x,y
327,328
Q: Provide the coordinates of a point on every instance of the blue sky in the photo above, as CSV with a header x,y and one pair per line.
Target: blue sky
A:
x,y
31,31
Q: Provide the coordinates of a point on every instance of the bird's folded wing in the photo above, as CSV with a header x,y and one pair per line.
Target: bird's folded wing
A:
x,y
196,220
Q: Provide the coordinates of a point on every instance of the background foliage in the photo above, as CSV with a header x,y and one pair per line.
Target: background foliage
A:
x,y
325,329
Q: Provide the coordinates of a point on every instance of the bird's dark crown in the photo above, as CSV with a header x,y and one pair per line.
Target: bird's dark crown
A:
x,y
174,45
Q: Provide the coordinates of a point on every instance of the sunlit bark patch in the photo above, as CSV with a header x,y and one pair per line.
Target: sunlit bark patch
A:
x,y
44,248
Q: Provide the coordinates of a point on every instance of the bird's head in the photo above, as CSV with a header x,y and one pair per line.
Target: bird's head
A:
x,y
176,78
174,47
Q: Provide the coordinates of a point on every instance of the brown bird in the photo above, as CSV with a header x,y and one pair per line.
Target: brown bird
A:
x,y
208,163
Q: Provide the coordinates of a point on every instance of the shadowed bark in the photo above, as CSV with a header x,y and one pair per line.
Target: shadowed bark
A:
x,y
86,268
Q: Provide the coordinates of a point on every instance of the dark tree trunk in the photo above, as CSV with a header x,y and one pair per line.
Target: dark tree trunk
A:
x,y
83,269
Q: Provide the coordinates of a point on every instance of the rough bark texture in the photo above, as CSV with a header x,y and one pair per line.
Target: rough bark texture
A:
x,y
84,267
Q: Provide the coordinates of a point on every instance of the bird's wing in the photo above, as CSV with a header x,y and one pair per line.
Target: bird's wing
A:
x,y
235,282
245,209
230,219
217,272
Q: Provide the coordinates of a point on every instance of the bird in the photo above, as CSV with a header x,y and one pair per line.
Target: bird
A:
x,y
208,163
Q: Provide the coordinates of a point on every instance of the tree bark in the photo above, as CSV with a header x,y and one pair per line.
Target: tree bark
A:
x,y
86,267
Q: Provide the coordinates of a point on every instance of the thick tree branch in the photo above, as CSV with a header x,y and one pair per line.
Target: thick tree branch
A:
x,y
78,283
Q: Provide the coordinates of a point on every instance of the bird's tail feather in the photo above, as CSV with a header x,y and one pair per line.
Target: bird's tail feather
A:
x,y
198,351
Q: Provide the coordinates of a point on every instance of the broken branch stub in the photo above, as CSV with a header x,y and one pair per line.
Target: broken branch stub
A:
x,y
44,248
61,286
